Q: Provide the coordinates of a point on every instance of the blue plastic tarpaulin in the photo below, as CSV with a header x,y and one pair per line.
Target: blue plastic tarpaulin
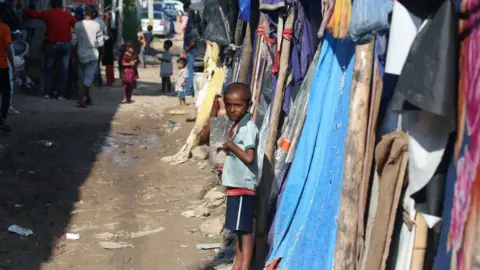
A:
x,y
305,225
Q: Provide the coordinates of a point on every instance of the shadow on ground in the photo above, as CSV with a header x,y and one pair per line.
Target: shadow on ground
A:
x,y
42,165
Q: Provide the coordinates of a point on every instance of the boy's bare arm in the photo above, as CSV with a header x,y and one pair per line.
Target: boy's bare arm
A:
x,y
246,156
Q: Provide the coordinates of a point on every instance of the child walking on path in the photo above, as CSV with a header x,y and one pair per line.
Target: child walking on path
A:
x,y
166,70
181,83
239,171
130,76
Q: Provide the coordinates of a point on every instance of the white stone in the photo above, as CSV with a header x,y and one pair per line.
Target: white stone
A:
x,y
200,152
215,194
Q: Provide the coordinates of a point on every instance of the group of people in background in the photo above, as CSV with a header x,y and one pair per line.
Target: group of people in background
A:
x,y
77,45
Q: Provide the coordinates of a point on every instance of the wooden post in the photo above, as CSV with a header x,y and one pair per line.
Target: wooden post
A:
x,y
355,144
375,99
256,77
246,56
266,183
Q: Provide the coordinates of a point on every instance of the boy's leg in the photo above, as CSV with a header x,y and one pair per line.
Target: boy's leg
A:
x,y
48,71
64,58
5,91
164,84
237,265
169,85
246,247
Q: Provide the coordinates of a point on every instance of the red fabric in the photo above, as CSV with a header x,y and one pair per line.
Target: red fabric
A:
x,y
109,71
276,62
240,191
274,265
59,23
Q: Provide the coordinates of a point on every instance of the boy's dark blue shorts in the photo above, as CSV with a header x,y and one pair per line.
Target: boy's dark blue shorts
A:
x,y
239,214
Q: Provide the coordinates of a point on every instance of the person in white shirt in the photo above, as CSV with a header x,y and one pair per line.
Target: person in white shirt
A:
x,y
182,80
103,26
88,38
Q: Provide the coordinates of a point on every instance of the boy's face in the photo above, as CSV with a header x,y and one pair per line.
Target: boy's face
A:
x,y
235,105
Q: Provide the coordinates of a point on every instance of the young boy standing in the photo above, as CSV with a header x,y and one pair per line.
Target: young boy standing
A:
x,y
239,171
182,80
6,56
166,70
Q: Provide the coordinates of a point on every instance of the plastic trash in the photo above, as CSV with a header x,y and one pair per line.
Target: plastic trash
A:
x,y
71,236
368,17
20,230
45,143
209,246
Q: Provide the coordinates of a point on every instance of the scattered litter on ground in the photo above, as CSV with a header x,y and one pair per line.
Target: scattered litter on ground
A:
x,y
196,230
171,122
177,112
191,119
110,144
188,214
156,210
209,246
172,200
45,143
183,246
108,236
18,205
105,236
20,230
115,245
145,233
71,236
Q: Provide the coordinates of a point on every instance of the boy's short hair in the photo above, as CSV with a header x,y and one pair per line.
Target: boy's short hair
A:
x,y
168,43
91,11
149,28
182,60
238,86
3,9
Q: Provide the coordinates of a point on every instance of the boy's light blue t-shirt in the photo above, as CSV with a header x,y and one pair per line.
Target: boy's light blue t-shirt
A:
x,y
235,172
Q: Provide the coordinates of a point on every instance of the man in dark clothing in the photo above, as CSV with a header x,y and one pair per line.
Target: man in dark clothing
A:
x,y
191,32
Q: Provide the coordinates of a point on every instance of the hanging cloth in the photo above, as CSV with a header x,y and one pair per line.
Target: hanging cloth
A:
x,y
340,19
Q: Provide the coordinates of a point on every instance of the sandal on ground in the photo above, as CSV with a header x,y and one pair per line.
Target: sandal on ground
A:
x,y
81,105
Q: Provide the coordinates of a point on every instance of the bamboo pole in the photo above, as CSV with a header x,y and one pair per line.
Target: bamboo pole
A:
x,y
355,144
367,166
257,74
420,245
246,56
266,183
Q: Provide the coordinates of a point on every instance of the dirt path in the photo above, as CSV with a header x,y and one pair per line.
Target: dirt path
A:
x,y
103,179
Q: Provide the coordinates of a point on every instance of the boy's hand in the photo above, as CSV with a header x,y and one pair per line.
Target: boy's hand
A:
x,y
14,75
227,146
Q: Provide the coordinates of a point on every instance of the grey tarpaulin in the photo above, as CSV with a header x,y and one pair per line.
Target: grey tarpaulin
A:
x,y
220,17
